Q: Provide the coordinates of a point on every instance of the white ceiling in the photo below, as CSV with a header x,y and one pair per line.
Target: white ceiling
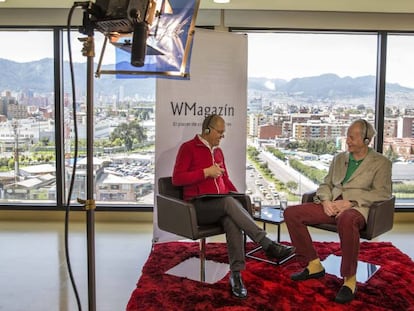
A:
x,y
385,6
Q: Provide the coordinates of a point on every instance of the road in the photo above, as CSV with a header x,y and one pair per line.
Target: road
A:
x,y
282,172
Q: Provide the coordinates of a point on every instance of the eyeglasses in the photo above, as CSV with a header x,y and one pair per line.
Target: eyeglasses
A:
x,y
221,133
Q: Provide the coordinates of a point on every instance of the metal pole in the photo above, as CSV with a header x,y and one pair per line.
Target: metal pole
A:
x,y
15,126
90,205
90,178
88,51
380,90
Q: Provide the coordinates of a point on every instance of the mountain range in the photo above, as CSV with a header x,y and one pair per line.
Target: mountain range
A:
x,y
37,76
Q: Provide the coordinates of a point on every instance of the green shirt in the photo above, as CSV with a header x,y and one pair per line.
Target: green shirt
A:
x,y
352,167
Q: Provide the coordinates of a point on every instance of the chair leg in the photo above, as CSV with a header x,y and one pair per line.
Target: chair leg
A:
x,y
202,244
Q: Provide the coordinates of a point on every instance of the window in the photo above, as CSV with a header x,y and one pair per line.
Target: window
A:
x,y
27,143
304,91
399,115
124,130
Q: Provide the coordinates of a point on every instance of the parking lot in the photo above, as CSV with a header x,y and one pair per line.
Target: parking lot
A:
x,y
259,188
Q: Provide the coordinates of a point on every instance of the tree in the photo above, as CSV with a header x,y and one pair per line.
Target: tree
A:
x,y
389,112
44,141
253,152
391,155
361,107
319,146
292,145
277,153
292,185
11,163
129,133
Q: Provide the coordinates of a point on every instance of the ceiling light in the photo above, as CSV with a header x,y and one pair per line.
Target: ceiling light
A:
x,y
221,1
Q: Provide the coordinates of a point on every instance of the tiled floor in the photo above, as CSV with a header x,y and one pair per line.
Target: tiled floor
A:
x,y
33,272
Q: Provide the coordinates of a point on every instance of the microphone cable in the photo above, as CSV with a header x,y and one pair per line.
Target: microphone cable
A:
x,y
75,158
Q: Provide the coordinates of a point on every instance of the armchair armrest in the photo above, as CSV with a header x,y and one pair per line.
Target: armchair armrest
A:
x,y
308,196
380,218
246,202
177,216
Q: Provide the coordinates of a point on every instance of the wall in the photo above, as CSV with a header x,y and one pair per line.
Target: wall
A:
x,y
319,20
238,18
77,216
135,217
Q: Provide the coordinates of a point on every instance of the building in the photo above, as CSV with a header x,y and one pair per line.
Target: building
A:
x,y
405,127
269,131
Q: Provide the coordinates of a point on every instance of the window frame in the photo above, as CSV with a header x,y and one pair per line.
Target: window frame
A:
x,y
60,203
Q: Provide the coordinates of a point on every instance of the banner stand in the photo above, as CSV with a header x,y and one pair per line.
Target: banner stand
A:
x,y
217,84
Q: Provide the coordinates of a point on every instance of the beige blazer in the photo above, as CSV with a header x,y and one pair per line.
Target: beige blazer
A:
x,y
370,182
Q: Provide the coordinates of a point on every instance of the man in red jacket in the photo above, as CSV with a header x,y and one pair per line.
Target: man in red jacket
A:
x,y
200,169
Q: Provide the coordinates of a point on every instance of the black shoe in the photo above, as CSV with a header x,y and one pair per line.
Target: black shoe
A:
x,y
237,286
304,275
345,295
279,251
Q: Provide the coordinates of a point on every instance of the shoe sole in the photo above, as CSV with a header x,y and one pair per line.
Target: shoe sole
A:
x,y
238,297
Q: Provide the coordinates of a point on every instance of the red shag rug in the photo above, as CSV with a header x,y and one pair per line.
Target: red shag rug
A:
x,y
269,286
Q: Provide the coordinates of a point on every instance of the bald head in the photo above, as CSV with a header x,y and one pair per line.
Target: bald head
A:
x,y
213,129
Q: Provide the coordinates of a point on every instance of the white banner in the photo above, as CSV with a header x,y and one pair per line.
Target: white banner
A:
x,y
218,84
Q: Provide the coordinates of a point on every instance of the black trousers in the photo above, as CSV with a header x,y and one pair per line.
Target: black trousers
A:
x,y
235,220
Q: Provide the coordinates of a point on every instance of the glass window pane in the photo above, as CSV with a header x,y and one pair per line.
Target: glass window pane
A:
x,y
27,139
304,91
399,116
124,131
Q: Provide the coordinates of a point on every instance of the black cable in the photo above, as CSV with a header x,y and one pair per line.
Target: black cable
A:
x,y
75,157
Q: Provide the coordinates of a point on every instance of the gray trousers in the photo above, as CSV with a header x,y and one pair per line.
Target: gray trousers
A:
x,y
235,220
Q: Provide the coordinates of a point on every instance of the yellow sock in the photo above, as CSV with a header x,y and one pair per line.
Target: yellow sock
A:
x,y
350,281
315,266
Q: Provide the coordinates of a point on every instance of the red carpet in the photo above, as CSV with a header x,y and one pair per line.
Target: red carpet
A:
x,y
269,287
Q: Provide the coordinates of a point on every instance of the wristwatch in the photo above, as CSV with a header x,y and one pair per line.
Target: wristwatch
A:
x,y
354,203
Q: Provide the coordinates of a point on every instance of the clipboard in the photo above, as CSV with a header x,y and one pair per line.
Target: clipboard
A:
x,y
219,195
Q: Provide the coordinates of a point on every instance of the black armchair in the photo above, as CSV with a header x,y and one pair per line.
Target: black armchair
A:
x,y
380,217
179,217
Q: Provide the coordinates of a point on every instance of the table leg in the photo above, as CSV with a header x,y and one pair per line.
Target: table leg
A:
x,y
278,233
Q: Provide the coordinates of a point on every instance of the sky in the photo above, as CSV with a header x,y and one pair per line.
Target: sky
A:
x,y
292,56
40,45
289,56
282,55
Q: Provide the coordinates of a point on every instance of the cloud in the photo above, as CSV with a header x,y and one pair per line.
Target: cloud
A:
x,y
270,85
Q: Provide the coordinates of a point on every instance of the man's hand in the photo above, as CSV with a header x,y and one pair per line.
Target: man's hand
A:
x,y
342,205
330,208
334,208
213,171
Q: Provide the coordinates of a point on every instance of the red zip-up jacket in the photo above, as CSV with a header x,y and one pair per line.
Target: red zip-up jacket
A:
x,y
192,158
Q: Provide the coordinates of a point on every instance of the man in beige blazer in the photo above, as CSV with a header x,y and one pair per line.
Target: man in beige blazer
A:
x,y
356,179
